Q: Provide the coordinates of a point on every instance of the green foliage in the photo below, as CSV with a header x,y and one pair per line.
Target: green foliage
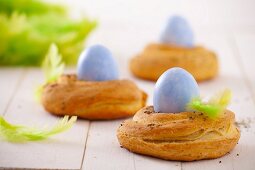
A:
x,y
28,27
29,7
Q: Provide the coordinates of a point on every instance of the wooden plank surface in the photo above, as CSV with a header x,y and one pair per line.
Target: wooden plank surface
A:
x,y
245,44
10,79
64,151
103,150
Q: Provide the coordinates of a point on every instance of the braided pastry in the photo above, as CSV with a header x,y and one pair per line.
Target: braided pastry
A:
x,y
92,100
157,58
184,136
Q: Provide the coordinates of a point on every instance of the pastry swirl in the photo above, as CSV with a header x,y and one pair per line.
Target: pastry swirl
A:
x,y
92,100
157,58
185,136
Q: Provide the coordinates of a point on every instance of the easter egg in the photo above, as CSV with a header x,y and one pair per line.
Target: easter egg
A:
x,y
177,32
174,89
96,63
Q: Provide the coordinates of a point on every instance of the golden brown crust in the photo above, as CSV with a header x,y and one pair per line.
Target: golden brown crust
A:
x,y
157,58
92,100
185,136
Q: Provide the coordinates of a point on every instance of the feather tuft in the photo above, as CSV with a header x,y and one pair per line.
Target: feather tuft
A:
x,y
53,68
17,133
216,105
53,65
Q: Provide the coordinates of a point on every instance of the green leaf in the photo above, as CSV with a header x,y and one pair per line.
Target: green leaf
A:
x,y
216,105
18,133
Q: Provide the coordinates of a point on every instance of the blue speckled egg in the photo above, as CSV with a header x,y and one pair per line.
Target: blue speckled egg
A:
x,y
96,63
178,32
173,90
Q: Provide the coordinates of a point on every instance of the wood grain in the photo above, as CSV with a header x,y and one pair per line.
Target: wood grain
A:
x,y
10,79
64,151
103,150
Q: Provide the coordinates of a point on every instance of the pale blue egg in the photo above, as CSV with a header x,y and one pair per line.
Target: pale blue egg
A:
x,y
173,90
178,32
96,63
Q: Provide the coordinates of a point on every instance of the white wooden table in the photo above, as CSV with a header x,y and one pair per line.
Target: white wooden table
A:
x,y
229,31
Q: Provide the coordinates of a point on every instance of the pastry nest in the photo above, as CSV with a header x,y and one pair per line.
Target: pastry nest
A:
x,y
185,136
92,100
157,58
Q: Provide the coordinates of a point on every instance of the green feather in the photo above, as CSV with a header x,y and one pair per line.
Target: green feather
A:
x,y
216,105
18,133
53,68
222,99
53,65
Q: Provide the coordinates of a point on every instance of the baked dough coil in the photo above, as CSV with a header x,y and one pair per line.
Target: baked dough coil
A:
x,y
157,58
185,136
92,100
